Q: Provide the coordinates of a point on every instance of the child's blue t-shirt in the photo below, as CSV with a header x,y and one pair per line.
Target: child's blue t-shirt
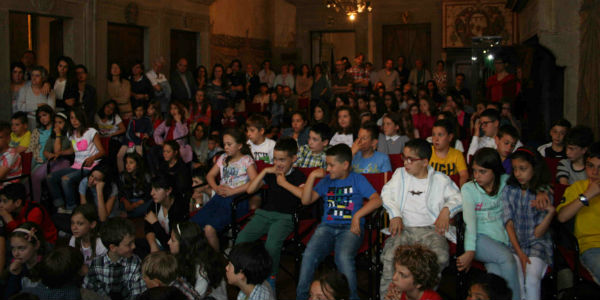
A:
x,y
342,198
377,163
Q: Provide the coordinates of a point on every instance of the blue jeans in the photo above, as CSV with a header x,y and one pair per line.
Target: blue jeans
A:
x,y
56,182
329,238
139,211
499,260
591,261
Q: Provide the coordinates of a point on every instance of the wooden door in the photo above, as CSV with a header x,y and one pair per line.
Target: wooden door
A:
x,y
183,45
56,40
125,46
413,41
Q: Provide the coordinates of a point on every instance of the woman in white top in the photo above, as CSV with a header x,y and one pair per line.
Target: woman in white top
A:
x,y
31,95
64,84
17,80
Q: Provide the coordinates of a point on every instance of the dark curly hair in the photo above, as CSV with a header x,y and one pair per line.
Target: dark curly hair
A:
x,y
194,250
421,262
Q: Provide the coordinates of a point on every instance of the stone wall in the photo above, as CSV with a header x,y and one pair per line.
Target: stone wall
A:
x,y
556,23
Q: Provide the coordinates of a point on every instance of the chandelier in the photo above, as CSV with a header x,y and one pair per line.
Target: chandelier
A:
x,y
350,7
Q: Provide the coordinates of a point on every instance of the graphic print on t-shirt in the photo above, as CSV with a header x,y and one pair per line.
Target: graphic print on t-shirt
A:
x,y
339,203
262,156
448,169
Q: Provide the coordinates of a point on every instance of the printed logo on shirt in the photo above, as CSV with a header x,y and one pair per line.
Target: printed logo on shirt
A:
x,y
448,169
339,203
262,156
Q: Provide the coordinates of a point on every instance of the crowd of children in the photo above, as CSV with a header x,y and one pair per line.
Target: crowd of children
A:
x,y
159,198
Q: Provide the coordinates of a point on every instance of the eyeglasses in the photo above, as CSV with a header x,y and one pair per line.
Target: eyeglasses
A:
x,y
410,160
485,123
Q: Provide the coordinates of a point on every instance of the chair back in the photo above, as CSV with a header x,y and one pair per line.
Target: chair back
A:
x,y
552,164
26,158
396,161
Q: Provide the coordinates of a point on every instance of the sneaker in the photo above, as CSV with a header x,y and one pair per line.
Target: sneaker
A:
x,y
62,210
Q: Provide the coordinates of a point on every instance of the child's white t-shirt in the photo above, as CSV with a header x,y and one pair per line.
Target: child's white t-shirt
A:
x,y
87,251
340,138
263,151
415,212
84,147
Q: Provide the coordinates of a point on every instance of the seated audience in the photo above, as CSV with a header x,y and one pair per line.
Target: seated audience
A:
x,y
572,168
444,158
330,285
261,147
84,226
415,274
20,136
312,155
392,138
248,268
489,286
366,159
556,147
160,269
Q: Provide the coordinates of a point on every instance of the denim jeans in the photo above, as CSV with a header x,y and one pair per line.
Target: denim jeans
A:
x,y
531,283
329,238
498,259
139,211
591,261
39,174
56,182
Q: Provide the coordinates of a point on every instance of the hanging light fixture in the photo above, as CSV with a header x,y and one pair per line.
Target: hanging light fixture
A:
x,y
351,8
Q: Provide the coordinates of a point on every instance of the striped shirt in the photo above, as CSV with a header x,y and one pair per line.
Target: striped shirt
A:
x,y
11,160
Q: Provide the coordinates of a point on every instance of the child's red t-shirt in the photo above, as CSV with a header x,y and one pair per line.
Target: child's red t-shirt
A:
x,y
37,215
393,294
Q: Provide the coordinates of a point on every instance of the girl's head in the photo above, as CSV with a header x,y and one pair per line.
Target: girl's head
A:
x,y
64,66
489,286
201,72
321,113
176,109
304,70
234,143
161,188
153,110
217,72
487,169
341,101
115,69
137,68
530,171
390,102
407,123
331,285
298,122
84,220
188,243
318,69
27,241
78,120
44,116
346,120
392,124
373,109
199,98
61,122
200,131
431,86
134,163
198,178
139,109
414,109
101,173
440,65
108,110
425,107
171,151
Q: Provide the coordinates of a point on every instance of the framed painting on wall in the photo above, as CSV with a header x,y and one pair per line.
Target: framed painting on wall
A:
x,y
465,19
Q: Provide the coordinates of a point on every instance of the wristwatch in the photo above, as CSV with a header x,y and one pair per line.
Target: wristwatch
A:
x,y
584,200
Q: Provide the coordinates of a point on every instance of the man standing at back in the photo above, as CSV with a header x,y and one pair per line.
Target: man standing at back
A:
x,y
183,84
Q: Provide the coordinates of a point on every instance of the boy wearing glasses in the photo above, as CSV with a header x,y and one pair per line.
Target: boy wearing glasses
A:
x,y
420,203
489,122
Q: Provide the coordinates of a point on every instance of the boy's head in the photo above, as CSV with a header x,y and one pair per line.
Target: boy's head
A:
x,y
442,134
415,267
578,140
367,137
4,135
159,269
228,112
18,123
318,137
213,142
330,285
559,130
489,286
255,128
60,267
284,154
339,161
506,140
490,121
118,235
592,162
12,197
249,263
416,156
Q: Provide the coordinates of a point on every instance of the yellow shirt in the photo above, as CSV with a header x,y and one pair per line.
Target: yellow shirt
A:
x,y
587,230
16,141
453,163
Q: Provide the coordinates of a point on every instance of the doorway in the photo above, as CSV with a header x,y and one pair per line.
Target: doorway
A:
x,y
125,46
328,46
413,41
41,34
184,45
